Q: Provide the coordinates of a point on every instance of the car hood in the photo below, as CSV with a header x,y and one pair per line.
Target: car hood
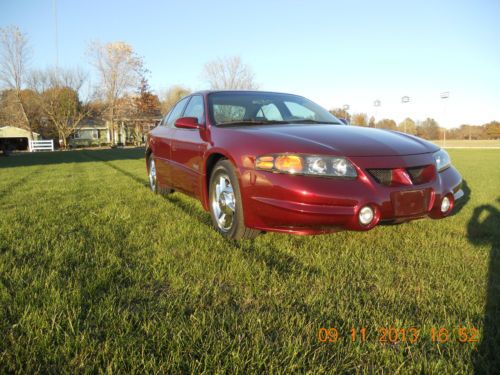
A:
x,y
342,140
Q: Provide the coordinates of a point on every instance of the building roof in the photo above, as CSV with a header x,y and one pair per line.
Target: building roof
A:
x,y
91,123
15,132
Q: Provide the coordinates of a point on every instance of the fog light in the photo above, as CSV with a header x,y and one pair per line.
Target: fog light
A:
x,y
366,215
445,205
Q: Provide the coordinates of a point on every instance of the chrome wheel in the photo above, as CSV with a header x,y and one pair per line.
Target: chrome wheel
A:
x,y
223,202
152,174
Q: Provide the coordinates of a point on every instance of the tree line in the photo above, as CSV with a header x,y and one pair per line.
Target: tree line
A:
x,y
54,101
428,128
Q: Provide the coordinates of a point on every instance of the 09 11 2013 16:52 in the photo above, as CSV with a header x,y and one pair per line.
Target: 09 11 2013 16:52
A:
x,y
394,335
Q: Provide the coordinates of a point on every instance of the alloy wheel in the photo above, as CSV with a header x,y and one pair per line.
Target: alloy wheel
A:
x,y
223,202
152,174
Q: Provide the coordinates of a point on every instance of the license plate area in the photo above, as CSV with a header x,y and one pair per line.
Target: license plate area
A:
x,y
410,203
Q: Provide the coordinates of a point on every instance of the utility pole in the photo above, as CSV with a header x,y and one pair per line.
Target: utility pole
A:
x,y
444,95
56,36
376,104
345,107
405,99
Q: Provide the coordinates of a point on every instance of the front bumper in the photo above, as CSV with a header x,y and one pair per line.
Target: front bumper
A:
x,y
309,205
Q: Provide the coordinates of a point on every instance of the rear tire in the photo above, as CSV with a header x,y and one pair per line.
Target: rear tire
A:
x,y
153,180
226,207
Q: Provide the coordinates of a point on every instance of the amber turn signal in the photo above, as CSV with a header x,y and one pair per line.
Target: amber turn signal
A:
x,y
289,163
265,162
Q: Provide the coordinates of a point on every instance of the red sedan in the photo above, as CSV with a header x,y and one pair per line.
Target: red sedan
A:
x,y
262,161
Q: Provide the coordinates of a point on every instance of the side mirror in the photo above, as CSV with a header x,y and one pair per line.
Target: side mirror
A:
x,y
187,123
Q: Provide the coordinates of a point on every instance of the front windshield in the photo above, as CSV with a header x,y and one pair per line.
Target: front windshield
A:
x,y
248,108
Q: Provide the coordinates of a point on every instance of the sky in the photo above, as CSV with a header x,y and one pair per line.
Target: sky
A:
x,y
332,52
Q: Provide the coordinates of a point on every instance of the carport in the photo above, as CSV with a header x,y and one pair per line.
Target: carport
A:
x,y
14,138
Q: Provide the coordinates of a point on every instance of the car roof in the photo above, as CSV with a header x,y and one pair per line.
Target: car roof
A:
x,y
205,92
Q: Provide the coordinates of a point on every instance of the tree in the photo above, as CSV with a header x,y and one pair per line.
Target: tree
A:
x,y
229,73
360,119
146,103
493,129
428,129
14,56
10,110
120,70
371,123
171,96
407,126
341,114
387,124
59,99
472,132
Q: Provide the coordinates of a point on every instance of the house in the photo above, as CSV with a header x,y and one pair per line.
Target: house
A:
x,y
13,138
90,132
96,132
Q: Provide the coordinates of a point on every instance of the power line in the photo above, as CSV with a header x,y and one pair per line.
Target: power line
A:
x,y
54,9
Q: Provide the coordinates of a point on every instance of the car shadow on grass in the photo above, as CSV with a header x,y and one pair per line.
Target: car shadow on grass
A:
x,y
462,202
276,260
486,231
94,157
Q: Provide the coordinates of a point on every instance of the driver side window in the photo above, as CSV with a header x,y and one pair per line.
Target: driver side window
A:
x,y
195,108
176,112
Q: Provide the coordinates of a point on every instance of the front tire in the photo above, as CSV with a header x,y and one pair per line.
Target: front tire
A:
x,y
226,207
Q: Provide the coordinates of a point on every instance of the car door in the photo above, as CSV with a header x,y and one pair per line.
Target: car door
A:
x,y
187,150
162,148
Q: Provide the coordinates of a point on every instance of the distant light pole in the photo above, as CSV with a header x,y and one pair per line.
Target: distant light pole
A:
x,y
404,100
444,95
376,104
345,107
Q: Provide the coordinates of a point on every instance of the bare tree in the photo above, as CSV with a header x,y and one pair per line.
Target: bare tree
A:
x,y
229,73
59,97
14,56
120,70
171,96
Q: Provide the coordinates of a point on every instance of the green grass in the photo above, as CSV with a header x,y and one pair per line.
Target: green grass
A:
x,y
97,274
465,143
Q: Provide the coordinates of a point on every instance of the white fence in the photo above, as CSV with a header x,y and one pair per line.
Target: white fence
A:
x,y
41,145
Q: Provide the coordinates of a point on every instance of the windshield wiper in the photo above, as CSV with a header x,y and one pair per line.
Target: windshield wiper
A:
x,y
309,121
252,122
271,122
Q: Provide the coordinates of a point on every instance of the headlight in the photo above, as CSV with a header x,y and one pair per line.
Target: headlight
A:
x,y
442,160
307,165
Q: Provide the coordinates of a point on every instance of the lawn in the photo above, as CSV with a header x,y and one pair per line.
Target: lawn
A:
x,y
465,143
97,274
